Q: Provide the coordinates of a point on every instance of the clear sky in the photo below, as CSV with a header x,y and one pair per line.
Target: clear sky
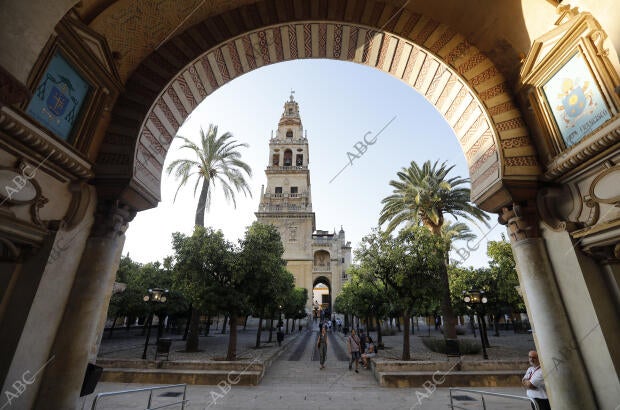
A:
x,y
339,103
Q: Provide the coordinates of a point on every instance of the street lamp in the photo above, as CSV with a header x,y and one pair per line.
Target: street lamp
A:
x,y
156,295
475,299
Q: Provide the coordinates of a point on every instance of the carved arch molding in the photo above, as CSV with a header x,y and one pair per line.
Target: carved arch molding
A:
x,y
452,74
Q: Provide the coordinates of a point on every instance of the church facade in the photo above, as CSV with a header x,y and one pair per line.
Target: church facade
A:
x,y
313,256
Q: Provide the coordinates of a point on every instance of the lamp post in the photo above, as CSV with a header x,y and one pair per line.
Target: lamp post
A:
x,y
475,299
156,295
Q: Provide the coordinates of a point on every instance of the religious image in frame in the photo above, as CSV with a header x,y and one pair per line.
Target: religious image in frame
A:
x,y
58,97
575,100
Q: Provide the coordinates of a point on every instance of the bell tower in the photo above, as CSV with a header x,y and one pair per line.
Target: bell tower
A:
x,y
286,202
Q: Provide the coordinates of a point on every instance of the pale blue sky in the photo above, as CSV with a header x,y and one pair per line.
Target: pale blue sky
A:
x,y
339,103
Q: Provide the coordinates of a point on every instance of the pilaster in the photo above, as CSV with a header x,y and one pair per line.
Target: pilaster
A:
x,y
85,310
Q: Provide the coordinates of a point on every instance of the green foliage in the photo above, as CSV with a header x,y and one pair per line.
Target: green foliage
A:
x,y
401,272
127,303
206,272
406,266
423,195
504,277
498,281
126,269
269,284
139,278
295,305
466,346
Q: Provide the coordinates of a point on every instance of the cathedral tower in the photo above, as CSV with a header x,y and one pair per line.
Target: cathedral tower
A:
x,y
286,202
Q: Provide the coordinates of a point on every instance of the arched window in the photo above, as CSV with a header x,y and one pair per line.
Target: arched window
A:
x,y
289,134
299,160
288,158
276,159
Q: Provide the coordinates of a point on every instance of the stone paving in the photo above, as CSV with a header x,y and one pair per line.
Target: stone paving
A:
x,y
294,381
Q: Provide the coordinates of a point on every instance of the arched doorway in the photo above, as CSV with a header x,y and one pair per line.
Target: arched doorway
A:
x,y
322,297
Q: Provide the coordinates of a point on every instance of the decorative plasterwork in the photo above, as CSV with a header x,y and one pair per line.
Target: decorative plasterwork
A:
x,y
460,81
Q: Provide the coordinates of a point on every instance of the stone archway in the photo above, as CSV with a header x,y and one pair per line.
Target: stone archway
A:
x,y
327,282
451,73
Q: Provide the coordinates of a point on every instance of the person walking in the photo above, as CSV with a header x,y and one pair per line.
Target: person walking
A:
x,y
321,344
280,334
534,383
353,345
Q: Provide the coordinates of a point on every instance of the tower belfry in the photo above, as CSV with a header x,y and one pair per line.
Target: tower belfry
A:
x,y
286,203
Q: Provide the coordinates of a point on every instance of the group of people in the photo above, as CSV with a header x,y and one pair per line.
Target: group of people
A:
x,y
361,348
331,324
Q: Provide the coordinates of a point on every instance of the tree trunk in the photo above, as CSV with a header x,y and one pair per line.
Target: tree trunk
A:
x,y
398,324
412,326
208,326
473,324
449,320
484,331
245,322
160,327
258,332
232,339
428,324
224,324
270,328
379,335
187,322
191,345
112,328
202,203
406,353
287,326
496,323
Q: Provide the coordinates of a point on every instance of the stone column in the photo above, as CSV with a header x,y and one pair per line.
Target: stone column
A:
x,y
86,305
565,375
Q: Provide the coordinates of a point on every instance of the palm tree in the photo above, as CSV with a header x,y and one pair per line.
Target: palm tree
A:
x,y
423,195
216,159
455,231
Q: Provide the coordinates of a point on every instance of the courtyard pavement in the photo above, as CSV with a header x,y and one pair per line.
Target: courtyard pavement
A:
x,y
294,380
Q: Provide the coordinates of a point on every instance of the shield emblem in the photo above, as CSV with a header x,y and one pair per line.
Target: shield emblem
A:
x,y
574,102
57,101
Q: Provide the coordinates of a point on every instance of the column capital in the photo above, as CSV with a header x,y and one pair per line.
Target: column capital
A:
x,y
111,219
522,221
